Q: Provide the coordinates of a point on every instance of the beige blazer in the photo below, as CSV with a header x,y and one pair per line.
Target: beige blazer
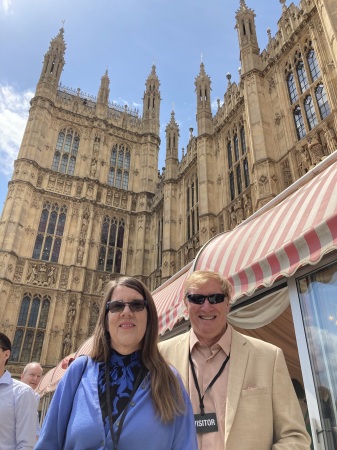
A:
x,y
262,410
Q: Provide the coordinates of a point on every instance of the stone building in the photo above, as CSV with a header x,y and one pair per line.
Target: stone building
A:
x,y
86,202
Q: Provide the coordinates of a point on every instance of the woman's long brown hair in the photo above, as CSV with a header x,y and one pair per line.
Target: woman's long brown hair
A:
x,y
165,388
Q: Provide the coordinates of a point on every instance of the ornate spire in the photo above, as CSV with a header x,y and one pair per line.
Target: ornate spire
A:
x,y
104,90
151,103
203,90
284,6
173,119
202,76
52,65
243,4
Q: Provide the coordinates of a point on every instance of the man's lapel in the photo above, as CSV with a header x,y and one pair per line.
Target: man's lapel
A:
x,y
181,357
237,370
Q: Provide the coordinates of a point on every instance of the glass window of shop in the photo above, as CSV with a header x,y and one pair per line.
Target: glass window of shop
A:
x,y
318,300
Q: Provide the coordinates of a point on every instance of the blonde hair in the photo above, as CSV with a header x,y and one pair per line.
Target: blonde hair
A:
x,y
166,391
201,277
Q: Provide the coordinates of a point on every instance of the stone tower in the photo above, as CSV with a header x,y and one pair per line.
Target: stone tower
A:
x,y
86,202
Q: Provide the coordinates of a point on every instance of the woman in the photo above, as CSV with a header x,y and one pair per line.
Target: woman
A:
x,y
145,406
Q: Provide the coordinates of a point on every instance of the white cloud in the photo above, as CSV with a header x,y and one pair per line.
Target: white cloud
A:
x,y
5,5
214,105
14,106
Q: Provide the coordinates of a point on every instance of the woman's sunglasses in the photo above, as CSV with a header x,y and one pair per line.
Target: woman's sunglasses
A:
x,y
118,306
199,299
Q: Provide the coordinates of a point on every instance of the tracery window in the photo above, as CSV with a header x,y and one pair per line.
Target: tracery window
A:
x,y
231,185
238,178
236,147
302,76
31,328
246,173
111,245
313,97
243,140
299,123
292,88
66,151
322,101
235,140
310,112
160,241
229,154
50,231
119,167
192,208
313,65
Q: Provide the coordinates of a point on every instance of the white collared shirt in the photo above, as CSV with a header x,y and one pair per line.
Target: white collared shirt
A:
x,y
17,414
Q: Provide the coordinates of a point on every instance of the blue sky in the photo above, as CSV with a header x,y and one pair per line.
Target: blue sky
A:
x,y
126,37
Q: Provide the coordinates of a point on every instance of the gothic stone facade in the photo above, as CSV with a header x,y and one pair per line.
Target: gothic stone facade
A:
x,y
86,202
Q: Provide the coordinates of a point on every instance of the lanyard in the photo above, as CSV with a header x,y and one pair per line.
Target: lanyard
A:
x,y
115,436
201,398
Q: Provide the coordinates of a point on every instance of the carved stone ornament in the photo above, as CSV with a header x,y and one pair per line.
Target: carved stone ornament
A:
x,y
41,275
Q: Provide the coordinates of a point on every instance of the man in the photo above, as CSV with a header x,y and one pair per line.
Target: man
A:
x,y
17,407
240,388
31,375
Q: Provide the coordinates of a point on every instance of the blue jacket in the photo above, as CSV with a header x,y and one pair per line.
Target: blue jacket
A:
x,y
85,429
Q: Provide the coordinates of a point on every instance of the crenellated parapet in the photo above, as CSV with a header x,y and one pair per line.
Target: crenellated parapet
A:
x,y
233,100
293,20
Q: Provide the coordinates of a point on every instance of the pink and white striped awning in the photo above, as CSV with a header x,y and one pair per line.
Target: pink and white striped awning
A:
x,y
298,230
169,300
51,379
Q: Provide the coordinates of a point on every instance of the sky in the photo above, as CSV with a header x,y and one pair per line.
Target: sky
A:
x,y
125,37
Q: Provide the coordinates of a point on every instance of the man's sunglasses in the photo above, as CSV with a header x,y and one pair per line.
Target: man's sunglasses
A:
x,y
118,306
199,299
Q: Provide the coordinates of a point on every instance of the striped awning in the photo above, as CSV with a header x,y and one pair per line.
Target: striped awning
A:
x,y
51,379
296,230
169,300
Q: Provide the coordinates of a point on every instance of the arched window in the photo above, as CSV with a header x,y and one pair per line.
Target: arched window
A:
x,y
292,88
231,185
111,178
246,172
125,180
236,147
188,222
238,178
66,151
302,76
31,328
313,65
118,182
322,101
243,140
299,123
50,231
160,241
111,246
229,154
192,216
119,167
314,98
310,112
